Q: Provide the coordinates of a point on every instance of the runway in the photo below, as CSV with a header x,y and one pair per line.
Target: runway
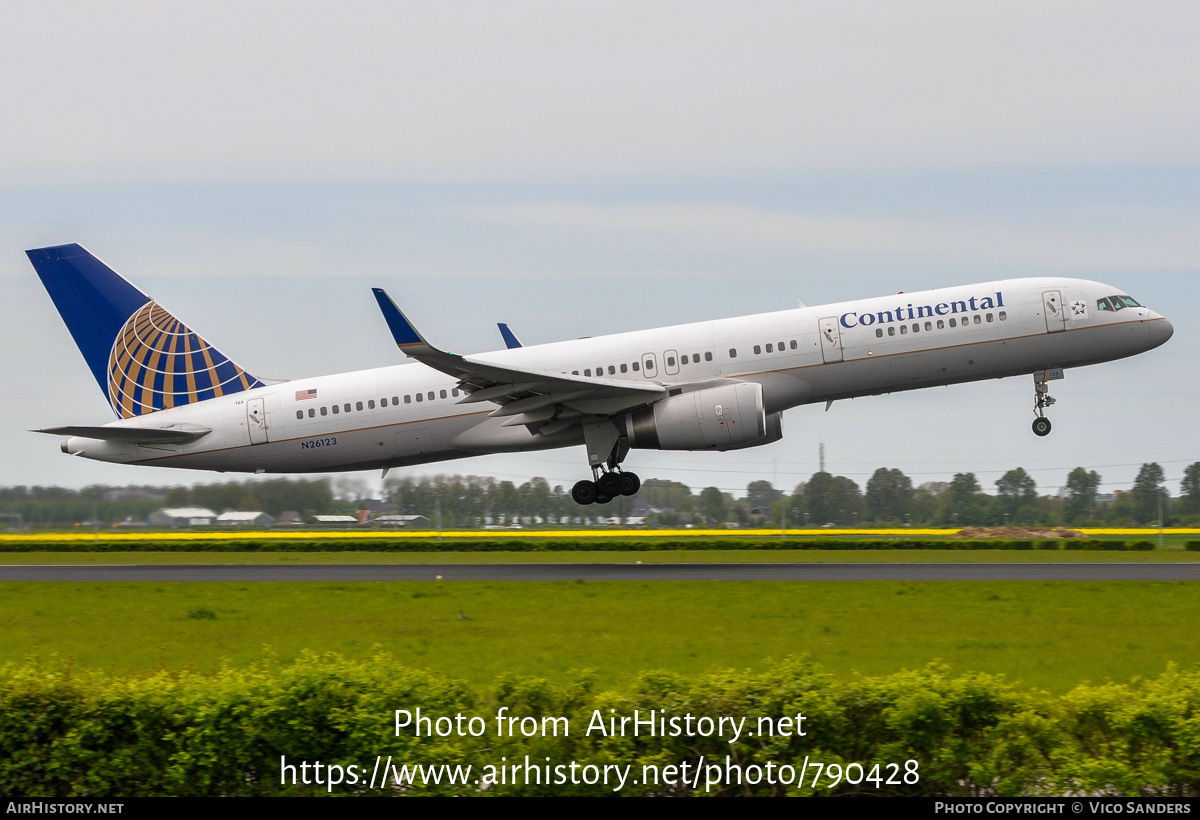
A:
x,y
601,572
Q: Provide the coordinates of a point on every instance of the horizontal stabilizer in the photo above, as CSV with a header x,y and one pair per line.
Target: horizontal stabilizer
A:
x,y
176,434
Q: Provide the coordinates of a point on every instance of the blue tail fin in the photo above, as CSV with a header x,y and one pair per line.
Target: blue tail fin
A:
x,y
143,358
510,339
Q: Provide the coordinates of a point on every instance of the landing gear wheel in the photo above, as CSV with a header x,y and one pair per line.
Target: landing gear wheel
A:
x,y
603,499
1041,426
584,492
630,483
609,484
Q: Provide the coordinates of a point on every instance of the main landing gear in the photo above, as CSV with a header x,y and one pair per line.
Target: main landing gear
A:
x,y
1041,400
606,487
606,449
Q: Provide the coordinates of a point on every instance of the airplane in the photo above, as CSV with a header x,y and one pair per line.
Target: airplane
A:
x,y
714,385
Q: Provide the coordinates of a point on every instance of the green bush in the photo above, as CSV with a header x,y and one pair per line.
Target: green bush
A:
x,y
68,733
1192,546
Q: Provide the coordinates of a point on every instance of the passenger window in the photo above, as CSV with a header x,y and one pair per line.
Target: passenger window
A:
x,y
649,364
587,371
442,394
335,409
903,329
770,348
635,367
383,402
878,333
324,411
670,361
781,347
953,323
431,395
348,407
733,352
408,399
395,400
757,349
420,397
1003,316
299,414
989,318
707,356
311,412
793,344
454,392
612,371
977,319
916,327
941,325
891,331
929,325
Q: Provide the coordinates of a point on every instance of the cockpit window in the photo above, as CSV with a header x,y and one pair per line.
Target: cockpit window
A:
x,y
1129,301
1102,304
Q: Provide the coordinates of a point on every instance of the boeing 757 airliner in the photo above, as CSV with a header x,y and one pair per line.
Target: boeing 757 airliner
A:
x,y
718,385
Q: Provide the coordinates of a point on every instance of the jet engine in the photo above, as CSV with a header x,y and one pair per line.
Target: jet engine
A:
x,y
716,418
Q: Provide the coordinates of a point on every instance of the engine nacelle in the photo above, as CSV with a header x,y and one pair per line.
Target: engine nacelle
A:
x,y
774,433
716,418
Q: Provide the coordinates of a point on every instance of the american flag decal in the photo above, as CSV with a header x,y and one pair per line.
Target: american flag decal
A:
x,y
302,395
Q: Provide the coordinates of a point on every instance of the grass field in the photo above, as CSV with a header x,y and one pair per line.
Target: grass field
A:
x,y
1049,635
606,557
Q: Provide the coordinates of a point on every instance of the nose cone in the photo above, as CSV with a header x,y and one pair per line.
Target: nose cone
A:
x,y
1160,331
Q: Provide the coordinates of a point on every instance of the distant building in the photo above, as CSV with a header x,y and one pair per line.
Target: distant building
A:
x,y
177,517
419,522
336,520
290,518
237,518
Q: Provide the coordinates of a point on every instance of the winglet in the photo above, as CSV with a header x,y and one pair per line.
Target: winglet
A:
x,y
406,336
510,338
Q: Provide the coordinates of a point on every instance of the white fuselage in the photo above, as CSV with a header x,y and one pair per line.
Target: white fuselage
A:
x,y
410,414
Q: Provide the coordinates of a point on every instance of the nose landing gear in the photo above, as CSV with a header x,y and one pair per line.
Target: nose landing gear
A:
x,y
1042,399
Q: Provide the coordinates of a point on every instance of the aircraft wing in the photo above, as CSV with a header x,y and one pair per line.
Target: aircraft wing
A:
x,y
177,434
529,396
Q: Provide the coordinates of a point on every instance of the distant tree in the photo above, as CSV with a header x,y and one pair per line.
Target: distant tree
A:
x,y
761,494
1147,493
713,505
962,504
889,495
658,492
831,499
1018,491
1189,490
1081,494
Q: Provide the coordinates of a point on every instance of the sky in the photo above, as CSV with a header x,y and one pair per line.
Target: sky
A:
x,y
588,168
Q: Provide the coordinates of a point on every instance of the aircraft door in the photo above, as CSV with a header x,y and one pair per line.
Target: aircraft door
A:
x,y
1056,314
671,362
831,340
256,421
649,365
